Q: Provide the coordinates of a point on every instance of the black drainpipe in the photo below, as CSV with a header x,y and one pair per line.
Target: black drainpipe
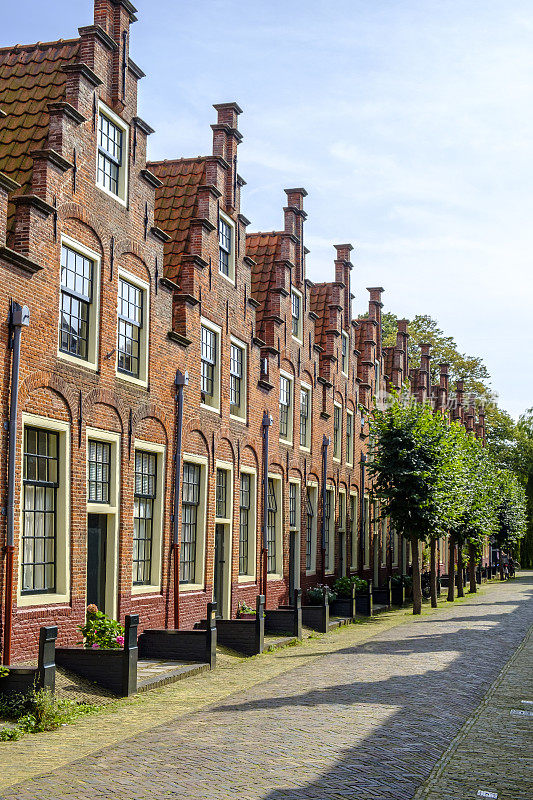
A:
x,y
267,422
19,316
182,380
325,444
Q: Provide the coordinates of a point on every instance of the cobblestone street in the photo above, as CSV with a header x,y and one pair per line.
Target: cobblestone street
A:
x,y
369,719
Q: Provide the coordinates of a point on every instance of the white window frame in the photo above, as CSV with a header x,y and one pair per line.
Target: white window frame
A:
x,y
354,530
227,522
201,525
250,576
366,553
217,330
343,533
278,490
345,338
157,521
62,538
110,509
331,542
394,545
350,442
299,337
144,340
231,261
314,533
290,423
91,362
241,416
337,454
122,196
384,525
305,387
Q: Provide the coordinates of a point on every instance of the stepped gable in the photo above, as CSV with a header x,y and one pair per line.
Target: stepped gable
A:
x,y
176,205
265,250
31,77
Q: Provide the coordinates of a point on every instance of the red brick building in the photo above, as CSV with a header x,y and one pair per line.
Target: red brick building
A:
x,y
133,272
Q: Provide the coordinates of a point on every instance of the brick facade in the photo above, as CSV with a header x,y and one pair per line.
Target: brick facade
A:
x,y
164,238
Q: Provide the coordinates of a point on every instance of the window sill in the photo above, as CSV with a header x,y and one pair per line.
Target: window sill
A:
x,y
213,409
33,600
305,449
191,587
238,418
145,589
100,508
77,362
116,197
336,460
228,278
297,339
310,572
287,442
246,579
142,384
274,576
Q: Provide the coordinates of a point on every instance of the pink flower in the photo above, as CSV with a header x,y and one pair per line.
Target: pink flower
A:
x,y
95,646
92,609
120,640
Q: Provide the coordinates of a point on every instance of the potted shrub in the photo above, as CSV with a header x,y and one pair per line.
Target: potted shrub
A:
x,y
316,614
100,631
315,594
363,596
397,590
244,611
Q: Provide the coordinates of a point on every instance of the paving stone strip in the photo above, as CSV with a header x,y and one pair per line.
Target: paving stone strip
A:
x,y
365,712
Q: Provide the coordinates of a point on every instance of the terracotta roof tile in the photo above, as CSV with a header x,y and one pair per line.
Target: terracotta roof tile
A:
x,y
265,249
320,300
176,204
30,78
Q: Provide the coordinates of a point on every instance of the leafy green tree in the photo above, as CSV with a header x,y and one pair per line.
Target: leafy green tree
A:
x,y
511,516
406,462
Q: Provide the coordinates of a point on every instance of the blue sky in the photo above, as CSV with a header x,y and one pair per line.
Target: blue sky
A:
x,y
409,123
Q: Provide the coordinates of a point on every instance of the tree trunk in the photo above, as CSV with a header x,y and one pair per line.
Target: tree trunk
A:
x,y
502,576
433,571
451,570
460,583
417,588
472,567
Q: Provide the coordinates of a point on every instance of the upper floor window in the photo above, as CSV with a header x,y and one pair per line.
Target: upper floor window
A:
x,y
237,378
76,299
226,254
344,345
310,543
296,308
349,437
99,471
285,408
130,324
112,154
143,515
305,417
293,505
210,343
337,431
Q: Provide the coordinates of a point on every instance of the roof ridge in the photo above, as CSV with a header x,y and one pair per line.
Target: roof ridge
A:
x,y
38,45
177,160
265,233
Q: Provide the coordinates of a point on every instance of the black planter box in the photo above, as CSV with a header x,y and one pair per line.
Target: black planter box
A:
x,y
177,645
286,619
245,636
43,676
343,607
381,595
363,601
115,670
397,595
317,617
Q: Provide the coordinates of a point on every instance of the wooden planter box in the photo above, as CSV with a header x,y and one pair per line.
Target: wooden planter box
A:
x,y
344,606
245,636
363,601
22,679
177,645
397,595
286,619
115,670
381,595
317,617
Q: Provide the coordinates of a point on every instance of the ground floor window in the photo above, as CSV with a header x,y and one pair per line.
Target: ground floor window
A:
x,y
189,522
143,515
272,508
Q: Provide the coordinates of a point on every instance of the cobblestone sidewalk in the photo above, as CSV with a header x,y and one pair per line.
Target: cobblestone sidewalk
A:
x,y
363,720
